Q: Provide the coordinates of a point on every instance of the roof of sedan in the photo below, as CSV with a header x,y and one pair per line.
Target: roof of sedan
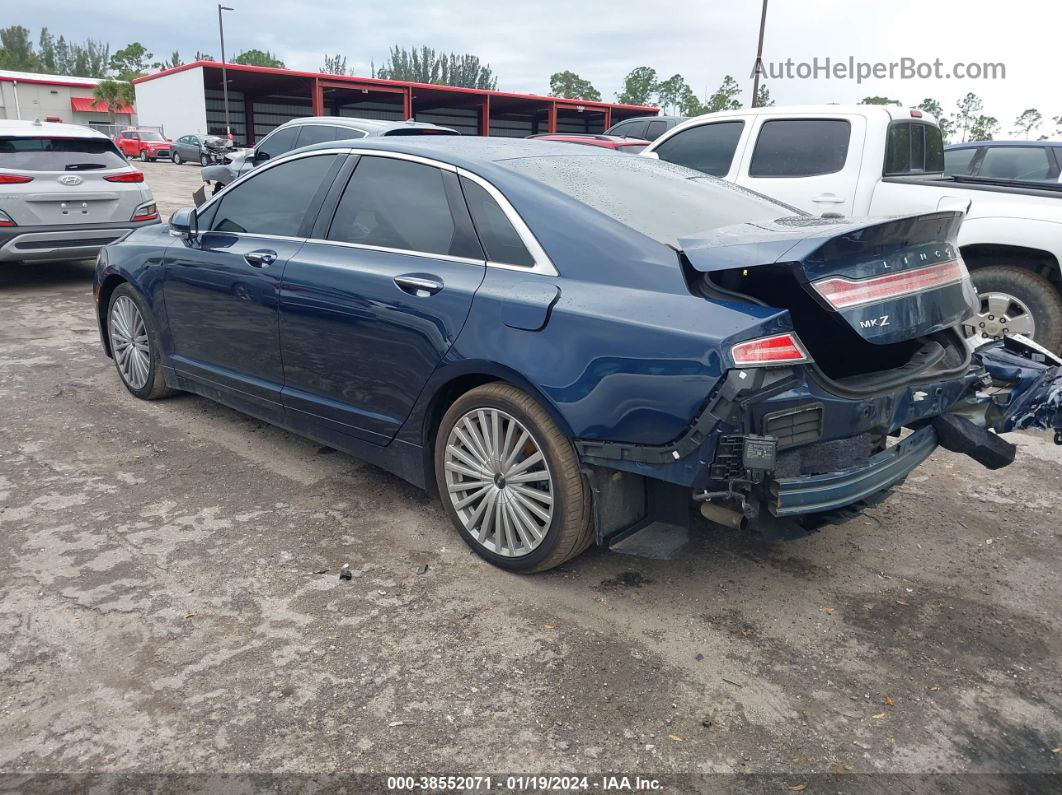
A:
x,y
467,150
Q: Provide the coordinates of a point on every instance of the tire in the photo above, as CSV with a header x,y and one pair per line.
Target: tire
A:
x,y
176,158
1032,297
517,537
143,156
144,380
204,161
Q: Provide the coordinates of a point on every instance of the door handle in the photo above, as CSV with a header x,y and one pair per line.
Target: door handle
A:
x,y
828,198
262,258
418,285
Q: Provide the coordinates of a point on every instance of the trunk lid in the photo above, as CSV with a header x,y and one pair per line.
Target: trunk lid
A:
x,y
888,280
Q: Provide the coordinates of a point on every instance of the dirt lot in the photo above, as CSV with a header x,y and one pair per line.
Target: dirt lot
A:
x,y
170,602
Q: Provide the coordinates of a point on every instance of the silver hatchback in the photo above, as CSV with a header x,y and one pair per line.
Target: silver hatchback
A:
x,y
65,192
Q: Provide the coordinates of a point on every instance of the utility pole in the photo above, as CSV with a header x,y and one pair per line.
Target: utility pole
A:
x,y
759,56
224,75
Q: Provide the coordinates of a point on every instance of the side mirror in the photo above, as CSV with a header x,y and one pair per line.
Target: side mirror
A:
x,y
184,223
260,156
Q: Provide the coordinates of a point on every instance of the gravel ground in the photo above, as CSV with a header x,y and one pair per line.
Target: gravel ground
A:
x,y
170,603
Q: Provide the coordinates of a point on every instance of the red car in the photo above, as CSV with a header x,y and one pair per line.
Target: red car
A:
x,y
145,144
631,146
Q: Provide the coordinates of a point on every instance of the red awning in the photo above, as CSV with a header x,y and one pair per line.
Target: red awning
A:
x,y
90,105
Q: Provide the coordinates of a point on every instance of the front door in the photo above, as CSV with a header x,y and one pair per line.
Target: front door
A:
x,y
221,286
367,313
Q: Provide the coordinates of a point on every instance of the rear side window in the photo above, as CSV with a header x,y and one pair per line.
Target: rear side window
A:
x,y
32,153
655,130
914,148
273,201
500,241
397,204
800,148
1016,162
420,131
957,161
347,133
316,134
277,144
708,148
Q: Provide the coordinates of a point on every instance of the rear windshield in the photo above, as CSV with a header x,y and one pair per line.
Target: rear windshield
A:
x,y
913,148
42,153
658,199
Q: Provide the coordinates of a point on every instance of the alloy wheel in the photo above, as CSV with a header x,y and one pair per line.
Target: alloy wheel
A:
x,y
129,342
498,482
1000,314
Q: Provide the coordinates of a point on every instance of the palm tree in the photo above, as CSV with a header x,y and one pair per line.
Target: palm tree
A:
x,y
112,94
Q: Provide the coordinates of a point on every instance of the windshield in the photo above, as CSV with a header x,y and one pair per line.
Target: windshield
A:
x,y
661,200
150,136
43,153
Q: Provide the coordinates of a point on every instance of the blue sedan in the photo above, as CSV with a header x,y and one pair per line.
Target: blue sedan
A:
x,y
569,347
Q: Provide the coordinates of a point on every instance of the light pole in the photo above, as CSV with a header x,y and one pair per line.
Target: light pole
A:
x,y
759,56
224,76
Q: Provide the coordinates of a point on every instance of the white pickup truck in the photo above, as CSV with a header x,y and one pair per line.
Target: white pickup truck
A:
x,y
872,160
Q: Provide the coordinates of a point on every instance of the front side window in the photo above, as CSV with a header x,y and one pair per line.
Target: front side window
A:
x,y
398,204
277,144
44,153
501,243
274,201
1016,162
800,148
708,148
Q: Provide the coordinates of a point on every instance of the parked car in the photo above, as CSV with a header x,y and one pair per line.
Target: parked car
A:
x,y
145,144
65,191
484,320
630,146
648,128
876,160
1035,162
201,149
311,130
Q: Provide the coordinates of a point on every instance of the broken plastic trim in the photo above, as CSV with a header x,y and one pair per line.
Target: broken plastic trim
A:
x,y
763,383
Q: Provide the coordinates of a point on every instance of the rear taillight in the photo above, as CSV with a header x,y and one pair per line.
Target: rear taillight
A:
x,y
14,179
5,219
779,349
133,176
146,212
842,293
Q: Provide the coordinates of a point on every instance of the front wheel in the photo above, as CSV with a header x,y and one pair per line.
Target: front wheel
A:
x,y
510,480
204,161
135,345
1014,300
143,156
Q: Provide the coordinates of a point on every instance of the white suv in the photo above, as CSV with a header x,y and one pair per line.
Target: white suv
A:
x,y
65,191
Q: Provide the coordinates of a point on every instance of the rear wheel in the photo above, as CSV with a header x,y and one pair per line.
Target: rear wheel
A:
x,y
134,342
510,480
1014,300
176,157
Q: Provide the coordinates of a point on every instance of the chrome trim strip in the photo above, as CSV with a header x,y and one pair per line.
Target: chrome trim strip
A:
x,y
386,250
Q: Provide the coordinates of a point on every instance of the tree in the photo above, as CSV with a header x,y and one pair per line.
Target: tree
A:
x,y
202,56
880,101
1058,123
672,93
427,66
172,63
16,50
259,58
969,108
725,97
335,65
131,61
638,86
763,97
46,61
983,128
691,105
569,85
936,110
112,94
1028,121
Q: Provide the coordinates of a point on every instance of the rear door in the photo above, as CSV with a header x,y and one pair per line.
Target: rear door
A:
x,y
371,305
71,181
221,287
811,163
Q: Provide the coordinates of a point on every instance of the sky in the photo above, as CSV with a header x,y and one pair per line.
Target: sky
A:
x,y
602,40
